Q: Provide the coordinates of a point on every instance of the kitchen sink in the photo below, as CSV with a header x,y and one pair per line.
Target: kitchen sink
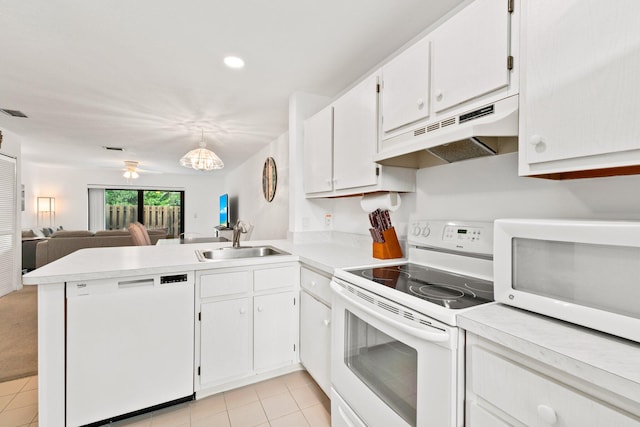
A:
x,y
205,255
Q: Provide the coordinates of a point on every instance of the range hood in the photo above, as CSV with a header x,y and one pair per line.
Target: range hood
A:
x,y
485,131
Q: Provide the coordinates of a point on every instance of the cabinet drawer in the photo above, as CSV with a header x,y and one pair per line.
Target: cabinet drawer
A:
x,y
278,277
479,417
534,399
219,284
316,284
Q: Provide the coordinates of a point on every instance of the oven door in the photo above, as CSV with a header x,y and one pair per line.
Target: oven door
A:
x,y
391,365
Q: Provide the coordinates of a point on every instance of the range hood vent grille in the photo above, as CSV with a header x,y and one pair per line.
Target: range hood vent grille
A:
x,y
462,150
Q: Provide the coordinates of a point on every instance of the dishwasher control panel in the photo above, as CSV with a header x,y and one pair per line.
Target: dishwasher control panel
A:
x,y
175,278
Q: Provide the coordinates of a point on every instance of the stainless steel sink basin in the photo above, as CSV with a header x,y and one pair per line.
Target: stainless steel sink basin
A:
x,y
241,252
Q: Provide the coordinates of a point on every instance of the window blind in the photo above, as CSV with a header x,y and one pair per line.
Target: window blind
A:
x,y
8,204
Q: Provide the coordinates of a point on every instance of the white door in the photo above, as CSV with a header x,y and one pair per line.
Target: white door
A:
x,y
274,330
355,136
470,53
318,152
315,340
580,85
225,346
8,244
405,87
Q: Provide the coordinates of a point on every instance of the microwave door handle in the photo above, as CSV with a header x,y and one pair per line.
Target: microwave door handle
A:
x,y
440,336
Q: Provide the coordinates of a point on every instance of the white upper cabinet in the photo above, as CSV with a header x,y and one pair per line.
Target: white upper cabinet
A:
x,y
355,135
318,152
405,87
339,148
470,53
580,86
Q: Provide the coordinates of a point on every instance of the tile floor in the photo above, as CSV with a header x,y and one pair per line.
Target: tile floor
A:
x,y
19,402
292,400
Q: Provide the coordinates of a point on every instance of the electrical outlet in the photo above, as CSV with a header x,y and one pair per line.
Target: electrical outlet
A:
x,y
328,220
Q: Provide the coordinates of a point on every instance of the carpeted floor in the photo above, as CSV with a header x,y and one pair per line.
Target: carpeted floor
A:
x,y
19,334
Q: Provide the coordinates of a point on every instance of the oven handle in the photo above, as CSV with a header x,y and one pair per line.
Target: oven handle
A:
x,y
440,336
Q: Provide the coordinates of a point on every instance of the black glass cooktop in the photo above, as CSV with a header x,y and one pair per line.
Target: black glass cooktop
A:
x,y
444,288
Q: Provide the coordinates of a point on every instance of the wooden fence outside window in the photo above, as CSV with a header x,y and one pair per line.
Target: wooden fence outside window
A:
x,y
119,217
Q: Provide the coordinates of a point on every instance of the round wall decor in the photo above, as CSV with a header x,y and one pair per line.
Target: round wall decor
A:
x,y
269,179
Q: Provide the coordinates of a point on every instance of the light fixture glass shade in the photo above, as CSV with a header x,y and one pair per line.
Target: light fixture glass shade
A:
x,y
131,174
202,159
46,207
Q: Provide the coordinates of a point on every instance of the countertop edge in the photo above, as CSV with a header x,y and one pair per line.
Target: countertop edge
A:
x,y
606,360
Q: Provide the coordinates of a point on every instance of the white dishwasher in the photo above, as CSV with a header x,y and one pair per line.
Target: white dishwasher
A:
x,y
129,345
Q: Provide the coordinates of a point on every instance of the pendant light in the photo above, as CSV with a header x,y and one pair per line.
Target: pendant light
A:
x,y
201,158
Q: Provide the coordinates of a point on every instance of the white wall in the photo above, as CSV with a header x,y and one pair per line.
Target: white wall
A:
x,y
69,187
269,220
489,188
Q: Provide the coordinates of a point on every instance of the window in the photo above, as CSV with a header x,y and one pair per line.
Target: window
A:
x,y
153,208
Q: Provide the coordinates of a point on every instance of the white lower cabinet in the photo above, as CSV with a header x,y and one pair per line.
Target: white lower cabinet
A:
x,y
274,331
246,324
225,331
508,388
315,327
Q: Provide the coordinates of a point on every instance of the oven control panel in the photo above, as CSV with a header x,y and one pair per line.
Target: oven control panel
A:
x,y
456,233
460,236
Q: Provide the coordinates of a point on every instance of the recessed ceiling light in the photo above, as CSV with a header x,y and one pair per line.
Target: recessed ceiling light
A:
x,y
233,62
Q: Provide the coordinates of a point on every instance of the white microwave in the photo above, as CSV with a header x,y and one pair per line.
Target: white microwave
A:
x,y
584,272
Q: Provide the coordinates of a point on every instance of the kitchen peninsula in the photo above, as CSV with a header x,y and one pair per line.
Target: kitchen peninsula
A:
x,y
261,280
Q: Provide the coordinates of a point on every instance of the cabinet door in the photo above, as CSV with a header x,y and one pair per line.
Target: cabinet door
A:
x,y
405,87
318,152
275,330
470,53
315,340
355,135
225,340
580,84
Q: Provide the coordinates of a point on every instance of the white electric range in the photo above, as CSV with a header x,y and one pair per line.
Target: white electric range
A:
x,y
397,355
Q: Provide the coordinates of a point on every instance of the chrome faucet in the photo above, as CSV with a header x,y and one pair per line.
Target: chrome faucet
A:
x,y
240,227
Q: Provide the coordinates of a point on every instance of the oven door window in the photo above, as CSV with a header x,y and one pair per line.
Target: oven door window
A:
x,y
388,367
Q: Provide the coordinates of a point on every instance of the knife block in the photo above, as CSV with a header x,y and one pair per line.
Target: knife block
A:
x,y
390,248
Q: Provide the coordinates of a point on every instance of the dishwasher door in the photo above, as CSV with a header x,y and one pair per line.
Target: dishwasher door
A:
x,y
129,345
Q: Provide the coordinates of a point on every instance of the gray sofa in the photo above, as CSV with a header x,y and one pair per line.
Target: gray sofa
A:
x,y
64,242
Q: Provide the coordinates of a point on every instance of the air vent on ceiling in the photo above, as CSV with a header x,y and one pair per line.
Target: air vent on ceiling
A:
x,y
113,148
14,113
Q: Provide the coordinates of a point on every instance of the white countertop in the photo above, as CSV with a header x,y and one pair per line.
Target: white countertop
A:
x,y
100,263
611,362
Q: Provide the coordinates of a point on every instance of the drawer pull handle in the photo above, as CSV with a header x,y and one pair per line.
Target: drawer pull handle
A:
x,y
243,310
535,140
260,308
547,414
326,322
313,283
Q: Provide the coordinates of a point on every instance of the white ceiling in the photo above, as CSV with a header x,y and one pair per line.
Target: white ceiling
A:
x,y
147,75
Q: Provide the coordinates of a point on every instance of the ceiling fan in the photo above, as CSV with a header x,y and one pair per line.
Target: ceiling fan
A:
x,y
133,171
